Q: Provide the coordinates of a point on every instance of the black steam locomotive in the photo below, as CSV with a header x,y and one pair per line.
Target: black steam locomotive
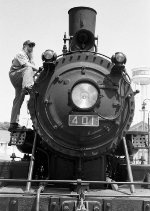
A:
x,y
81,106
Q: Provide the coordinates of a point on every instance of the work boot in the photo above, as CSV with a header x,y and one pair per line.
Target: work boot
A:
x,y
14,126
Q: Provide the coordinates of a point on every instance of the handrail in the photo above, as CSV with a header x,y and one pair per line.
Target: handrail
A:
x,y
74,181
41,189
76,195
96,194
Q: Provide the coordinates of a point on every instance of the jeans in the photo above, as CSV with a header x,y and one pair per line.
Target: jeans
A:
x,y
20,79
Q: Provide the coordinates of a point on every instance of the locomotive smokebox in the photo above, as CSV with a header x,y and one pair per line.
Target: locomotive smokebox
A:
x,y
82,22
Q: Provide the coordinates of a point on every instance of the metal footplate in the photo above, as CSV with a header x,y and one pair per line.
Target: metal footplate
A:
x,y
25,202
98,204
85,206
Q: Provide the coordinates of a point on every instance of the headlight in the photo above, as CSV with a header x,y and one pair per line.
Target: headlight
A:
x,y
84,95
49,55
118,58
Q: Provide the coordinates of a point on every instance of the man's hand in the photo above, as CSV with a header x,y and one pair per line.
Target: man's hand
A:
x,y
28,64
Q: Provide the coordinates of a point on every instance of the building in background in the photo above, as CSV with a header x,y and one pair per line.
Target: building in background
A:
x,y
141,82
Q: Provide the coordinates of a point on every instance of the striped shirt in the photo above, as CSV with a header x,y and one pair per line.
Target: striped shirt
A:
x,y
19,61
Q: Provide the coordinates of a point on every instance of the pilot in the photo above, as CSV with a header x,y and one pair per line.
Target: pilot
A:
x,y
22,78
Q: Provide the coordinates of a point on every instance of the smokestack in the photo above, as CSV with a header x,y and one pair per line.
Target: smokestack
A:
x,y
81,18
82,22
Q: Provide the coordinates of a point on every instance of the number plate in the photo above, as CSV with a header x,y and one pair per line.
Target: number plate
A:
x,y
84,120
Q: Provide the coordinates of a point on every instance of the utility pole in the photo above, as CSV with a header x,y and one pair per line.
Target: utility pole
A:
x,y
144,129
143,109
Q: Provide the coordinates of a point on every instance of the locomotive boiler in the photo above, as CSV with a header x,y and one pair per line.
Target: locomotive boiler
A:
x,y
81,107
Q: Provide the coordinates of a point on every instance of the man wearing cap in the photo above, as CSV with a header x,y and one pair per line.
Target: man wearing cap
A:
x,y
22,78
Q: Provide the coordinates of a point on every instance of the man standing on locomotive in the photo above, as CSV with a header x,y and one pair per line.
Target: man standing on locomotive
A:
x,y
22,78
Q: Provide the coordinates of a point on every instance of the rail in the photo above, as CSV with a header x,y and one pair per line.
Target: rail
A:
x,y
74,182
39,192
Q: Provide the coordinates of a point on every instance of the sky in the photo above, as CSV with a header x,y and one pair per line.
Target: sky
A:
x,y
121,25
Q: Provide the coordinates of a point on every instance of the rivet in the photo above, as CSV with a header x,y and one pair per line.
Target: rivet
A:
x,y
101,62
66,208
54,204
83,70
55,126
13,201
66,82
96,208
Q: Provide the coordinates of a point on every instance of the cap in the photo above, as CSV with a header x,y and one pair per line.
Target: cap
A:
x,y
27,42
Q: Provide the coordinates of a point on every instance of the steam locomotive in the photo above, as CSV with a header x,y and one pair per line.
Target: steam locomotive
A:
x,y
81,107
